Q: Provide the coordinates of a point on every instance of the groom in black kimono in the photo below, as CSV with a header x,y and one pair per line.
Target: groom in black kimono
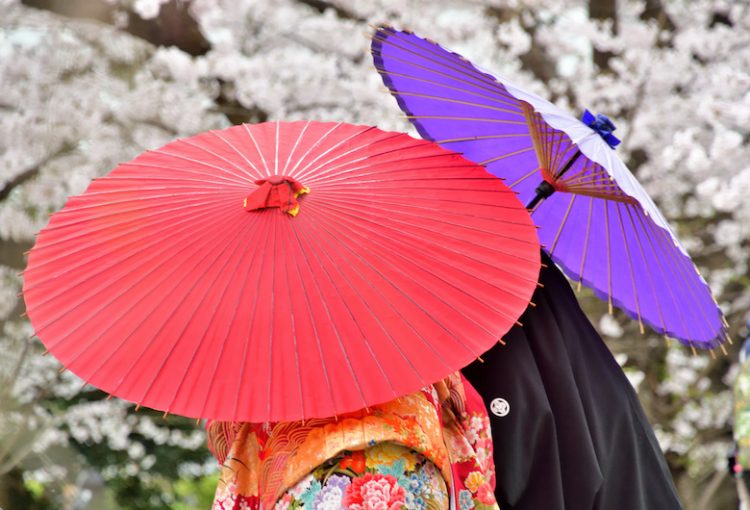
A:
x,y
568,430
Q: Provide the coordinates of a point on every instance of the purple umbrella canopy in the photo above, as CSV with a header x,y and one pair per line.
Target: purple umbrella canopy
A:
x,y
595,220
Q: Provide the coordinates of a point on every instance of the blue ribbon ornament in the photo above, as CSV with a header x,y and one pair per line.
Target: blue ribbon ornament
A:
x,y
603,126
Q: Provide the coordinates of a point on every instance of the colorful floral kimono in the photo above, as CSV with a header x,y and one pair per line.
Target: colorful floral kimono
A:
x,y
428,450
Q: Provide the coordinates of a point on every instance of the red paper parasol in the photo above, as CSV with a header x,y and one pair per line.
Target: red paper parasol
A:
x,y
203,279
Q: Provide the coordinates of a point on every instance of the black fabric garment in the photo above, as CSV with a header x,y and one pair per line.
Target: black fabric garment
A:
x,y
575,436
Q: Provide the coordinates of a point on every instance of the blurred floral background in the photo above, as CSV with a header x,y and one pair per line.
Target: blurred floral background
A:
x,y
86,84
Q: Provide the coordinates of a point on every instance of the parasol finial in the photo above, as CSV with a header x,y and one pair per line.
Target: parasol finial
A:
x,y
602,125
276,191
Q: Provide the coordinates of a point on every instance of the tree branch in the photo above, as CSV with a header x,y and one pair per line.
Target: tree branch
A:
x,y
342,12
174,26
28,174
603,10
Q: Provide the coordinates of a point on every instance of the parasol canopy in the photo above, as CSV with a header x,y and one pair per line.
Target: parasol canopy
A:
x,y
281,271
596,221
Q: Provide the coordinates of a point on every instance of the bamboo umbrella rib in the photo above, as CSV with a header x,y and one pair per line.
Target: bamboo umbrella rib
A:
x,y
300,137
102,241
457,213
588,170
324,304
171,205
464,84
183,170
347,215
471,79
648,269
276,151
146,161
630,266
273,294
665,278
229,144
244,174
352,315
523,178
184,183
264,219
593,179
175,269
100,269
308,308
470,119
561,158
211,321
366,149
586,241
388,302
168,227
668,249
562,224
320,139
347,177
458,101
481,137
368,163
458,64
609,256
682,265
304,171
235,311
565,154
507,155
401,185
463,90
193,161
538,148
549,143
537,128
597,186
559,148
325,173
293,325
234,251
601,187
300,172
364,194
596,192
357,211
95,199
356,230
257,148
165,261
394,171
436,50
271,322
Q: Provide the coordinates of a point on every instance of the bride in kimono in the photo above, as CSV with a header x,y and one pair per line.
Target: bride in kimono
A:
x,y
428,450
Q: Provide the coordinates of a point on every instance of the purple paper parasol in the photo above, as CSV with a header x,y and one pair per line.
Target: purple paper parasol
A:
x,y
595,219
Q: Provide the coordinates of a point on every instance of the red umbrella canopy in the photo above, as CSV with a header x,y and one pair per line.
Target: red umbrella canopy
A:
x,y
281,271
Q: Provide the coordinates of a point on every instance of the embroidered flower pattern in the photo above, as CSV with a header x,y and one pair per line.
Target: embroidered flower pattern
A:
x,y
465,501
474,481
387,476
375,492
331,495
